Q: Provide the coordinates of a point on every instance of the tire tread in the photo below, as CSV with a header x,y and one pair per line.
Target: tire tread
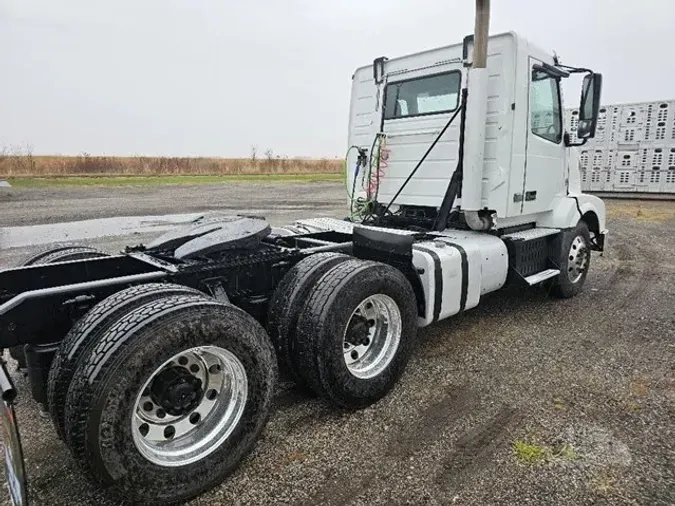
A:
x,y
96,372
85,332
327,376
288,301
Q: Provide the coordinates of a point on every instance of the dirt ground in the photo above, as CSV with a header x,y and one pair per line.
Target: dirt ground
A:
x,y
523,400
31,206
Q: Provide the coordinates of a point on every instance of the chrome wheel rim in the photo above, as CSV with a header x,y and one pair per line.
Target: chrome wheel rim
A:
x,y
174,424
372,336
577,260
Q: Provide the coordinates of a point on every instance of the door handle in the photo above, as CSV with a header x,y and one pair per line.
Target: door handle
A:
x,y
530,196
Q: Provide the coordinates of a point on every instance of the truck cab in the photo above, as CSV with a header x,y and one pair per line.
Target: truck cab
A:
x,y
510,146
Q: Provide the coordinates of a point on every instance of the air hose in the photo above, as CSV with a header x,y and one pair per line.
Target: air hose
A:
x,y
354,202
357,169
380,160
371,170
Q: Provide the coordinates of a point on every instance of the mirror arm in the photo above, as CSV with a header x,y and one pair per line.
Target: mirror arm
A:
x,y
576,70
551,70
568,144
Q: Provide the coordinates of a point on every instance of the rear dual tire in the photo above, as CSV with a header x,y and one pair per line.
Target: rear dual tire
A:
x,y
356,329
66,253
87,332
288,302
181,354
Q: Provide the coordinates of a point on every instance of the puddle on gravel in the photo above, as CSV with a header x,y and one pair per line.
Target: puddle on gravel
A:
x,y
73,231
14,237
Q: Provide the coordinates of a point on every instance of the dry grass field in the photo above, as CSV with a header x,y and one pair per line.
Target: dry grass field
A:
x,y
24,164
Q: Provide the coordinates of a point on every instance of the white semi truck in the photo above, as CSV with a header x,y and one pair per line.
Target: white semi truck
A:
x,y
515,204
157,366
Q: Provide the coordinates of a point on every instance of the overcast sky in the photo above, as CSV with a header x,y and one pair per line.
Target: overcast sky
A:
x,y
212,78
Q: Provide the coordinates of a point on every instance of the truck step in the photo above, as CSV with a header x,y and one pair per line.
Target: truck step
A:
x,y
530,234
530,252
542,276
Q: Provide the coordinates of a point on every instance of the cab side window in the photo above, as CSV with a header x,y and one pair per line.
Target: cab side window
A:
x,y
422,96
545,114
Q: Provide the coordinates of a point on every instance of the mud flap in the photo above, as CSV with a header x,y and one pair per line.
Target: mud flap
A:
x,y
600,242
14,465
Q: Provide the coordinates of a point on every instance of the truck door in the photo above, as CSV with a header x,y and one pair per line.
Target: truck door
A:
x,y
544,176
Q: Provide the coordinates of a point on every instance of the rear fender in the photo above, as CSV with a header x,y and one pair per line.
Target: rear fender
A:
x,y
391,248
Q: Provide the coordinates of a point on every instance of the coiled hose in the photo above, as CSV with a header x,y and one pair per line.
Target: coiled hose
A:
x,y
373,171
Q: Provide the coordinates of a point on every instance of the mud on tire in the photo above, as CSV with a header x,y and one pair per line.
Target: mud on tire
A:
x,y
288,301
328,319
86,334
102,400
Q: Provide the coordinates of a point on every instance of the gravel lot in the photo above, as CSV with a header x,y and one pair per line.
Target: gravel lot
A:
x,y
523,400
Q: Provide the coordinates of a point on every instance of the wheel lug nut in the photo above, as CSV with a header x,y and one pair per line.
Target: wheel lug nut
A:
x,y
160,413
194,368
214,369
183,360
147,406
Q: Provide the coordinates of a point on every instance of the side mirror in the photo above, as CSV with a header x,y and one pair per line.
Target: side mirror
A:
x,y
589,106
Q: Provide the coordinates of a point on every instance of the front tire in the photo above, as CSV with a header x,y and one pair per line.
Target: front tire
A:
x,y
574,261
357,332
156,357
